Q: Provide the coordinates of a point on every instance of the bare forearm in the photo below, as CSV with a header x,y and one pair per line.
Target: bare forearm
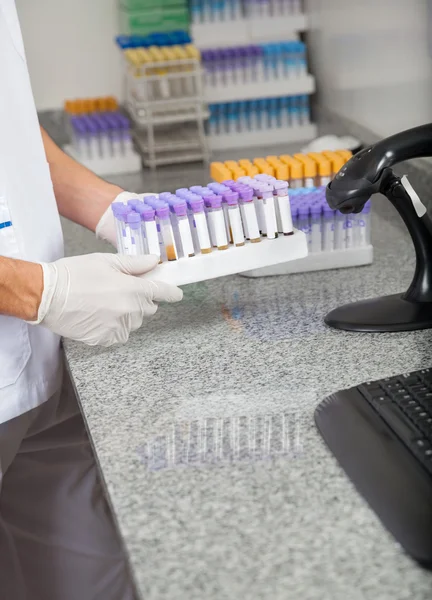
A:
x,y
81,195
21,287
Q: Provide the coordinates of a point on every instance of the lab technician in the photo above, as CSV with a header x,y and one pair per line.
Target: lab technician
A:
x,y
57,541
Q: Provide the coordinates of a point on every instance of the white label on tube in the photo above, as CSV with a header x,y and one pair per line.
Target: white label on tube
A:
x,y
251,220
349,232
259,209
186,237
285,213
152,237
236,225
227,226
339,234
309,182
216,216
243,217
316,237
361,232
328,235
325,181
419,207
270,218
202,231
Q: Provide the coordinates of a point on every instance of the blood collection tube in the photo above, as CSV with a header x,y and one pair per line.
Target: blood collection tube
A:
x,y
249,216
166,232
283,207
328,228
149,227
198,223
315,225
339,232
269,210
216,221
236,232
136,246
179,212
119,224
259,206
304,221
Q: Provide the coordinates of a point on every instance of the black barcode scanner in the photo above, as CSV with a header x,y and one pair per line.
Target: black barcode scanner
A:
x,y
369,172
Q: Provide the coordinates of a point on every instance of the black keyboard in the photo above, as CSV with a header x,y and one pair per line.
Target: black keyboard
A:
x,y
405,404
381,434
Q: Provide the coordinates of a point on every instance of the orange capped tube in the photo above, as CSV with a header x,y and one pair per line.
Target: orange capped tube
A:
x,y
219,172
310,169
324,168
336,160
295,170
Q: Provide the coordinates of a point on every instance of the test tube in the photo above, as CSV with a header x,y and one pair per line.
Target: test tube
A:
x,y
166,232
339,233
349,230
248,214
216,221
179,209
362,226
149,227
134,203
198,223
283,207
328,228
236,232
136,246
304,221
119,225
258,205
269,210
316,228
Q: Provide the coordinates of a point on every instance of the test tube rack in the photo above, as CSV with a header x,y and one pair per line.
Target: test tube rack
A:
x,y
248,30
232,261
165,92
100,136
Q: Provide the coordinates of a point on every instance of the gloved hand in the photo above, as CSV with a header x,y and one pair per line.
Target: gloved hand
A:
x,y
99,299
106,229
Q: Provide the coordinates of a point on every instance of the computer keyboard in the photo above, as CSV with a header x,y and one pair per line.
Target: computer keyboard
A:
x,y
405,404
381,434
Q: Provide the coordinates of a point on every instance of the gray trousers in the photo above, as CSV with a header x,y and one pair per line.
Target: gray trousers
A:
x,y
57,539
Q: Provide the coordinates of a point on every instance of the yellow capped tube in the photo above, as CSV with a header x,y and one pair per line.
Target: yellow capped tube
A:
x,y
310,169
219,172
295,170
336,160
324,168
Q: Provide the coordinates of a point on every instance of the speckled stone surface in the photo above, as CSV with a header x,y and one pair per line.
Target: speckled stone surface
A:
x,y
203,427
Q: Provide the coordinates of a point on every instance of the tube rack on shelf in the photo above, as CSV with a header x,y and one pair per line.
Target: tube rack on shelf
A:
x,y
100,136
163,85
248,30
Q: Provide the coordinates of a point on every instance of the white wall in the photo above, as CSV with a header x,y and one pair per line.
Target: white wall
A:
x,y
373,60
70,49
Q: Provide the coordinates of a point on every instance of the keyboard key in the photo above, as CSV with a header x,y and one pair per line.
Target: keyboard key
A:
x,y
409,379
399,422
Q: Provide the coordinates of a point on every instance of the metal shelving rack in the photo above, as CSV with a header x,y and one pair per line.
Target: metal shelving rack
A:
x,y
161,99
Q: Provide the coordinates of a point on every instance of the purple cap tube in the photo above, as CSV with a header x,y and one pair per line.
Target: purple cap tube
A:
x,y
280,187
147,213
179,209
164,196
134,202
134,220
231,198
196,188
181,192
162,212
196,205
246,194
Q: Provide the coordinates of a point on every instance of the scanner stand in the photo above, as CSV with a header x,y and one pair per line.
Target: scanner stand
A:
x,y
399,312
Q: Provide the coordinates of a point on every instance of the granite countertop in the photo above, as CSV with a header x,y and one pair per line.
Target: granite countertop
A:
x,y
203,428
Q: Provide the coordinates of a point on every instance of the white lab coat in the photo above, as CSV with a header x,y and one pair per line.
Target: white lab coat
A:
x,y
30,360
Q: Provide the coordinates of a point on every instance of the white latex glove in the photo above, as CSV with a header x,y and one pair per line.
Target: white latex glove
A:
x,y
99,299
106,229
